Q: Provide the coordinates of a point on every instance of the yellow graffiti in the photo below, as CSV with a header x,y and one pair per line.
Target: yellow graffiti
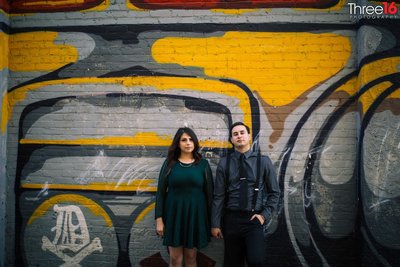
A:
x,y
159,83
140,139
395,94
4,114
279,66
215,143
237,11
71,198
38,51
3,50
146,211
144,185
372,71
370,96
349,87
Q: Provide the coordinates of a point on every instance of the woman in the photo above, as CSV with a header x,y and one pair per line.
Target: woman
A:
x,y
183,199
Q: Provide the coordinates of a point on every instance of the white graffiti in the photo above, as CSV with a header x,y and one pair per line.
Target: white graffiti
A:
x,y
71,234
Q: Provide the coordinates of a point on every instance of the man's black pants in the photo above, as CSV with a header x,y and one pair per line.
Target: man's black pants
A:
x,y
244,240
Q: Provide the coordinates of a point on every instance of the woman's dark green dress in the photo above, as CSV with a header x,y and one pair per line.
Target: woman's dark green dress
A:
x,y
183,201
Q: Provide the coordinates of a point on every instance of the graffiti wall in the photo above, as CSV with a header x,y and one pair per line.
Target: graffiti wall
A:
x,y
378,148
94,91
3,136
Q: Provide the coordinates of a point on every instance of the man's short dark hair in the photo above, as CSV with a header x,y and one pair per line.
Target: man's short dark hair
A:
x,y
237,124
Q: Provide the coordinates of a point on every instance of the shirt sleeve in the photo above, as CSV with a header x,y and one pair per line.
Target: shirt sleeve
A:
x,y
209,190
219,195
161,191
272,189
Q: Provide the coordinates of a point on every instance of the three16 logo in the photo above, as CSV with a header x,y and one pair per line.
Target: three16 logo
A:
x,y
374,11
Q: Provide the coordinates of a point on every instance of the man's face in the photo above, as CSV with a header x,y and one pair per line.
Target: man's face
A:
x,y
240,137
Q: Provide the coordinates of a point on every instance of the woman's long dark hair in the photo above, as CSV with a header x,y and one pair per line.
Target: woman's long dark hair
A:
x,y
174,151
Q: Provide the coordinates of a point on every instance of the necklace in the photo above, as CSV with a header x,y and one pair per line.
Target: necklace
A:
x,y
186,165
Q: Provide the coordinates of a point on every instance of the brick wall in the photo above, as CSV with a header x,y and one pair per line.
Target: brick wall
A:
x,y
96,90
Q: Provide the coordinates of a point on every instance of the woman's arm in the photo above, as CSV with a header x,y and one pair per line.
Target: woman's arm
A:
x,y
161,191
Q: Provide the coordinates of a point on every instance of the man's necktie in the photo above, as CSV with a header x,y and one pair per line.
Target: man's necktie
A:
x,y
243,184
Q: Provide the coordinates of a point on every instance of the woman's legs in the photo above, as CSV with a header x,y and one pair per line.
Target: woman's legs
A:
x,y
175,256
190,257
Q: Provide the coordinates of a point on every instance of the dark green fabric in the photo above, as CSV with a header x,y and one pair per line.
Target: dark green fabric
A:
x,y
183,201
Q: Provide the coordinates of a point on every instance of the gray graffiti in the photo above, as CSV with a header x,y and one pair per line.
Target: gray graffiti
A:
x,y
70,236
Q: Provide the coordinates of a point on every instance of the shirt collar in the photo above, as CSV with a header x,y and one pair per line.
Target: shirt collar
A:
x,y
246,154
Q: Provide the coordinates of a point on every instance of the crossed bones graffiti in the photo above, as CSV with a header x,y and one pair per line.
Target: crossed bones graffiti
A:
x,y
70,236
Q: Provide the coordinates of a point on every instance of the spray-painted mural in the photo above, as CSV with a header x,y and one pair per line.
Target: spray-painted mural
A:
x,y
90,112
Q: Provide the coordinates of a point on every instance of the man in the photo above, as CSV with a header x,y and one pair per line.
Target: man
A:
x,y
233,196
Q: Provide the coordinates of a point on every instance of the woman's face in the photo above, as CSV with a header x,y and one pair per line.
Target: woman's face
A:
x,y
186,143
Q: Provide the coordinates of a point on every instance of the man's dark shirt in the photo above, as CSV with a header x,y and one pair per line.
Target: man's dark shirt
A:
x,y
268,196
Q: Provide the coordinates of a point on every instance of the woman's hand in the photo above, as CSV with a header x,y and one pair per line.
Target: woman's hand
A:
x,y
160,227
